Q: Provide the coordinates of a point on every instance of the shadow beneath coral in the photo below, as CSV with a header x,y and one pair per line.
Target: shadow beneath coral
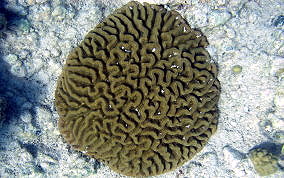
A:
x,y
11,17
273,148
20,93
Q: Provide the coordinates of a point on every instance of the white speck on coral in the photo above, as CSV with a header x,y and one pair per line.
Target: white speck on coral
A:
x,y
125,50
154,49
174,66
137,111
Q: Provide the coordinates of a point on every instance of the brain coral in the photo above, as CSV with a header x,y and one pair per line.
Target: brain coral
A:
x,y
139,93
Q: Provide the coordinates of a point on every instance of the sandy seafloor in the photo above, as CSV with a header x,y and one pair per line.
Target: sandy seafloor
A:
x,y
40,34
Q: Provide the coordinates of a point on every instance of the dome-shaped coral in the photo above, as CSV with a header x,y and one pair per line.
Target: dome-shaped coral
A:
x,y
264,162
139,93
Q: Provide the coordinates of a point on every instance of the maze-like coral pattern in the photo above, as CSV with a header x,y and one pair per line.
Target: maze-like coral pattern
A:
x,y
139,93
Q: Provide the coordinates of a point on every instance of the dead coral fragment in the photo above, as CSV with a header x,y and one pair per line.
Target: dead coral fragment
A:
x,y
139,92
264,162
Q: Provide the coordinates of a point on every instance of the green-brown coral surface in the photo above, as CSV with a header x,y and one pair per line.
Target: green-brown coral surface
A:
x,y
139,93
264,162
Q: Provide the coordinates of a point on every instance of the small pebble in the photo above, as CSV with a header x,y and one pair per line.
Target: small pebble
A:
x,y
220,2
277,66
11,59
43,117
26,117
218,17
18,70
266,125
279,21
55,52
237,69
230,32
59,13
24,25
278,136
209,158
279,98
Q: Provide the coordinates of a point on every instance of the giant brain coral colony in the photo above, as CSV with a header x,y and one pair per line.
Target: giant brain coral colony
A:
x,y
139,93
